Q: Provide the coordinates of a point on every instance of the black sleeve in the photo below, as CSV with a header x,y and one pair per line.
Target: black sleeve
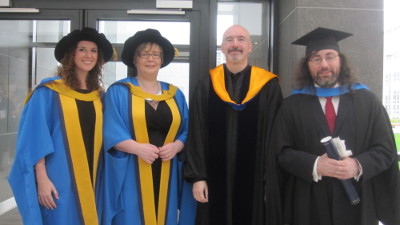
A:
x,y
196,145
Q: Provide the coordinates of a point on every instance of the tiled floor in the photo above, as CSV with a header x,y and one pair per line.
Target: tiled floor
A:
x,y
11,218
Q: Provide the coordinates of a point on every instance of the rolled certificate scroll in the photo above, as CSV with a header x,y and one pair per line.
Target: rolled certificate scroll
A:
x,y
333,154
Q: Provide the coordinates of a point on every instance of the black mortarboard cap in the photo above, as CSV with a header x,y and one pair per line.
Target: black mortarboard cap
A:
x,y
321,38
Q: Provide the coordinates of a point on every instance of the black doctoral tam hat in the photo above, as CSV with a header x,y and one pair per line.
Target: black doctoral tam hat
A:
x,y
86,34
321,38
144,36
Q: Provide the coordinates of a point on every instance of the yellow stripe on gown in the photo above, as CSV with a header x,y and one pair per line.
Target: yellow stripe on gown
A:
x,y
76,146
145,169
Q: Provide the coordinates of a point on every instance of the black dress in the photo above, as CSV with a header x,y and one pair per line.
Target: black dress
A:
x,y
87,119
158,123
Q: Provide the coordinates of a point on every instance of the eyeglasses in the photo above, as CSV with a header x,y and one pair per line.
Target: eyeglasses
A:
x,y
146,55
316,59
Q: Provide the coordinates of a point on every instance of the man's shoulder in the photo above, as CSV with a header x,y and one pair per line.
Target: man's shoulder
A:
x,y
364,98
364,95
363,92
297,102
262,70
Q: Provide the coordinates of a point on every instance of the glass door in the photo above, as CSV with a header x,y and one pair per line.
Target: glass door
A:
x,y
27,44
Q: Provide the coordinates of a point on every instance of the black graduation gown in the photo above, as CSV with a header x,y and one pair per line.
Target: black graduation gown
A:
x,y
364,125
228,149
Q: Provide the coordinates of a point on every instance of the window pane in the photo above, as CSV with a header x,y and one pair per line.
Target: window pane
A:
x,y
51,30
178,75
44,68
178,33
114,71
391,76
45,35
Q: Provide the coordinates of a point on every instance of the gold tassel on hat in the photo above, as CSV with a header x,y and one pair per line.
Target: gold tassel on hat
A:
x,y
176,52
115,55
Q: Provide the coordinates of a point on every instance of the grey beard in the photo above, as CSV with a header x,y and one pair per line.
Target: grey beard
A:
x,y
326,84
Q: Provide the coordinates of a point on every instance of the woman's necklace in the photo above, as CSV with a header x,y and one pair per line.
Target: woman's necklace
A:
x,y
159,92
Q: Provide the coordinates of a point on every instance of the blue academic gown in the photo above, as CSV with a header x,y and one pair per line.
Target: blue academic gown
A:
x,y
119,185
41,135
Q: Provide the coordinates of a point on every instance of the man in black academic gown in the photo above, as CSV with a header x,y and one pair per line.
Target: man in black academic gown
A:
x,y
314,193
230,123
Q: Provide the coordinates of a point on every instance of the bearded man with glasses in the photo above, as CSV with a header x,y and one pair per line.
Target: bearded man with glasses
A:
x,y
328,101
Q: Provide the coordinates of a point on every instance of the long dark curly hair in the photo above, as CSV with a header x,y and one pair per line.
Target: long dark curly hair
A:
x,y
67,71
303,78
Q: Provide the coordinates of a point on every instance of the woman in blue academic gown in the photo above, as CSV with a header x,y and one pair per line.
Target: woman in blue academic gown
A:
x,y
60,136
145,128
